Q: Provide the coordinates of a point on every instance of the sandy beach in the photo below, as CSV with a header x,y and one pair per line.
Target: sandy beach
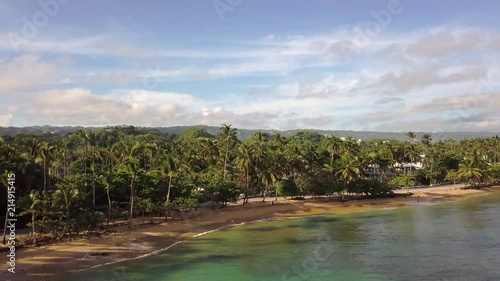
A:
x,y
51,262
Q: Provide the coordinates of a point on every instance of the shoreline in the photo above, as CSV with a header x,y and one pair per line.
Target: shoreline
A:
x,y
53,261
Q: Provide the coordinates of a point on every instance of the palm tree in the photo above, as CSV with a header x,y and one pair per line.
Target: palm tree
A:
x,y
429,161
207,150
244,163
349,171
293,158
468,170
149,151
259,147
411,153
350,147
495,147
32,147
107,179
279,140
309,156
67,193
426,139
390,151
33,203
64,146
228,136
412,136
130,167
110,153
268,178
46,151
333,147
258,152
274,167
381,164
91,140
82,134
167,169
330,167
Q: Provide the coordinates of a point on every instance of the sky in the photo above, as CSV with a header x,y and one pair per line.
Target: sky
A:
x,y
383,65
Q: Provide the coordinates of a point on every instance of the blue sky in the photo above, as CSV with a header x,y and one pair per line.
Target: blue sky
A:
x,y
384,65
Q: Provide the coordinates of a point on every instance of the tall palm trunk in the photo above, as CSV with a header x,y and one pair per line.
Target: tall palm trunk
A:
x,y
64,163
44,175
131,203
93,179
66,173
276,199
168,198
225,161
85,165
109,205
431,174
66,220
245,200
344,190
33,226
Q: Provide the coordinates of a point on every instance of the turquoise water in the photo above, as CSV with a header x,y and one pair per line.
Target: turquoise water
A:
x,y
450,241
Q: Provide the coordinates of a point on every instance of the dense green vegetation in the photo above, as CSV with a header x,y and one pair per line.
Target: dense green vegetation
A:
x,y
70,183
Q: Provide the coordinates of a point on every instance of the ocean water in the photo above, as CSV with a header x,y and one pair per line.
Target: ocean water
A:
x,y
447,241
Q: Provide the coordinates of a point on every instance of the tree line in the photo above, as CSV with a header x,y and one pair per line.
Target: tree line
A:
x,y
67,184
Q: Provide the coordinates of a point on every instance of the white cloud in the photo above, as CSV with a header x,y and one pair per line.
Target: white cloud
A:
x,y
5,120
27,72
81,106
402,81
446,43
422,71
75,46
495,43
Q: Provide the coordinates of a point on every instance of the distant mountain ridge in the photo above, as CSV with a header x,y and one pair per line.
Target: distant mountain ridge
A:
x,y
246,133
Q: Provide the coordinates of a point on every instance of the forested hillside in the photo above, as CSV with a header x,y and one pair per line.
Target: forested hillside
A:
x,y
244,134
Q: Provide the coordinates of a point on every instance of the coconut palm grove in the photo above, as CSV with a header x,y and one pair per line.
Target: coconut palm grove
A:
x,y
80,182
